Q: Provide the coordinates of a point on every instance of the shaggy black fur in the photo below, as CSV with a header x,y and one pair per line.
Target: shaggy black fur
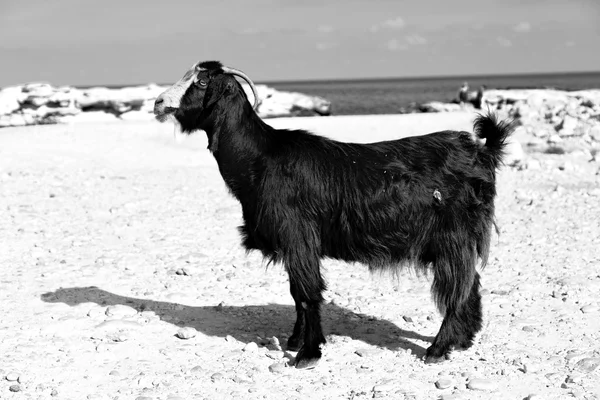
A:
x,y
425,201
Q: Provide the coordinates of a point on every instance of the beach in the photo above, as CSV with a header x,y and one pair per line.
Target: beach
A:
x,y
123,277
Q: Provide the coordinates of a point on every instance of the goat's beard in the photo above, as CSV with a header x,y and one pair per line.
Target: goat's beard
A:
x,y
176,126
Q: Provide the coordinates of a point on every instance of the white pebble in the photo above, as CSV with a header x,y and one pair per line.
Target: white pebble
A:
x,y
12,377
274,341
588,365
120,311
443,383
251,347
277,368
482,384
186,333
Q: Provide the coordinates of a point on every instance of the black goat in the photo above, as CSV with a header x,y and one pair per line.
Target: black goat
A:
x,y
425,201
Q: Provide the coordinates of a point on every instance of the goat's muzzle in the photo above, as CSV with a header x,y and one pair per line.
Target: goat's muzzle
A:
x,y
162,109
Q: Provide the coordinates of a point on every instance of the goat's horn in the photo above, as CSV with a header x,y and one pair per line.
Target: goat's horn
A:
x,y
242,75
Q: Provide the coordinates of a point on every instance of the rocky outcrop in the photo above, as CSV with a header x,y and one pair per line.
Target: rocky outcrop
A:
x,y
41,103
559,121
567,120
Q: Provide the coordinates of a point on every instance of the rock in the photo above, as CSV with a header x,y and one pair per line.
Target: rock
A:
x,y
383,387
186,333
274,341
274,103
250,347
10,99
15,388
568,127
482,384
588,365
277,368
438,106
407,319
41,103
367,352
534,164
12,377
443,383
217,376
594,132
183,272
120,311
554,139
116,324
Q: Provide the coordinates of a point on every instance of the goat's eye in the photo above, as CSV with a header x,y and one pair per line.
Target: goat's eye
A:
x,y
202,82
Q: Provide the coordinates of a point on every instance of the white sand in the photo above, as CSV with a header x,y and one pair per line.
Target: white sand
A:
x,y
147,220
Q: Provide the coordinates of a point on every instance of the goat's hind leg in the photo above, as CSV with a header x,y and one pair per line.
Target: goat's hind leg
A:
x,y
295,341
307,285
462,319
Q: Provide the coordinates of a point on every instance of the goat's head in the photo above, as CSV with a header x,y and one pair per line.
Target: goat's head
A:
x,y
191,99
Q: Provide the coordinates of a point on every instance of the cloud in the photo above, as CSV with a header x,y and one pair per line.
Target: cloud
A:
x,y
390,24
522,27
322,46
504,42
415,39
251,31
396,45
325,28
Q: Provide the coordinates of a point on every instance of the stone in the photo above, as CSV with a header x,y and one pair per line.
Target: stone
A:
x,y
10,99
482,384
186,333
217,376
251,347
588,364
443,383
568,126
367,352
594,132
120,311
12,377
15,388
277,368
41,103
438,106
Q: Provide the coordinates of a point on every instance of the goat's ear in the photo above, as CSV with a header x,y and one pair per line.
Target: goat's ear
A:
x,y
218,87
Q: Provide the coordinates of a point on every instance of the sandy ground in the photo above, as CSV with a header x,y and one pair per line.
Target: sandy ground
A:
x,y
114,237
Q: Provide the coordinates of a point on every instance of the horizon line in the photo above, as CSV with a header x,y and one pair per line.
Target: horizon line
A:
x,y
344,80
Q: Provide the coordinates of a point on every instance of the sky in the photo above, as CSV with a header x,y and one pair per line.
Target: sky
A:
x,y
123,42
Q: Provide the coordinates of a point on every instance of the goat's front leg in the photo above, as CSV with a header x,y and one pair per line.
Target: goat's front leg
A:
x,y
307,288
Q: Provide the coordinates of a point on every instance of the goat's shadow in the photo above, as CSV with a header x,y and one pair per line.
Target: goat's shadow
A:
x,y
245,323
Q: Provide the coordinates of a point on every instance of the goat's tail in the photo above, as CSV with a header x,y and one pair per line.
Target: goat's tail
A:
x,y
495,134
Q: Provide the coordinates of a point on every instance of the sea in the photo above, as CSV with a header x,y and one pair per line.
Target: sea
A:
x,y
400,95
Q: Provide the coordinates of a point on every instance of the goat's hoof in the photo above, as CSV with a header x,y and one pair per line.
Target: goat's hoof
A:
x,y
434,360
435,357
304,360
307,363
